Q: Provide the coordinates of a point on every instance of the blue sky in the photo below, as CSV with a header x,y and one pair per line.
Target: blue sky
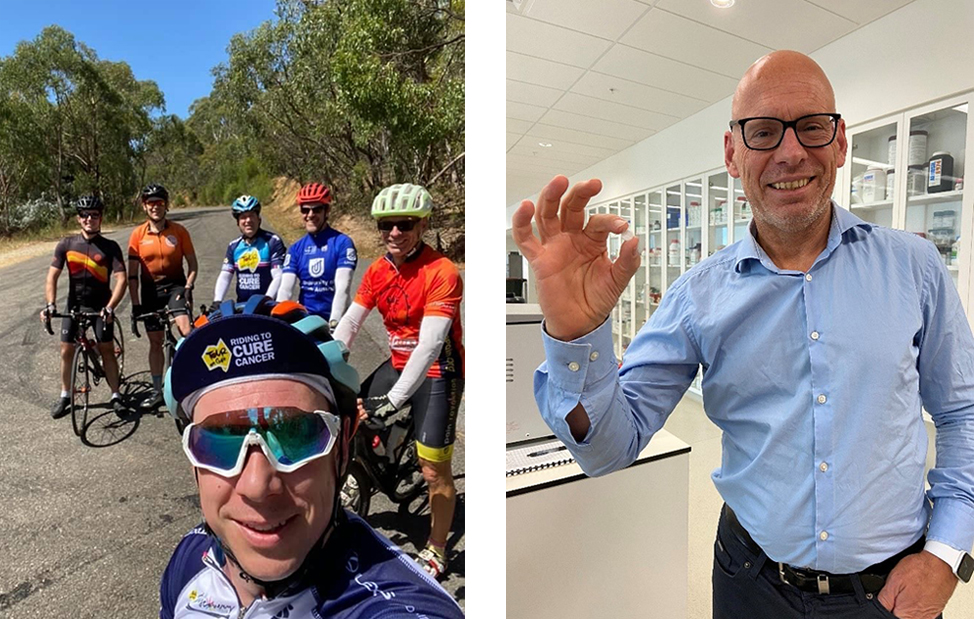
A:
x,y
173,42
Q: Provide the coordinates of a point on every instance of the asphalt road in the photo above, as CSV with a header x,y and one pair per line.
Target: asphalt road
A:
x,y
87,532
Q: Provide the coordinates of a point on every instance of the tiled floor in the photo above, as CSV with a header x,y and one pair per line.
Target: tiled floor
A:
x,y
689,423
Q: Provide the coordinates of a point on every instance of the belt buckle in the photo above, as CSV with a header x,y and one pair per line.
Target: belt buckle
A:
x,y
781,573
823,584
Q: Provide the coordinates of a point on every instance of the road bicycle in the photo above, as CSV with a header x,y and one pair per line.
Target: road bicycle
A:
x,y
168,319
87,370
383,459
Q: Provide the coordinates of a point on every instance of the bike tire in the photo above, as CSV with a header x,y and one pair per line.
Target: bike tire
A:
x,y
119,343
356,489
409,482
80,391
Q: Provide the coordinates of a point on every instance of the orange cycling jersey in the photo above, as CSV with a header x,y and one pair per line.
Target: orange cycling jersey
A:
x,y
427,284
161,254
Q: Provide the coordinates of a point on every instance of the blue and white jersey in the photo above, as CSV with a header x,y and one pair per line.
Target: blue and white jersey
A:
x,y
362,575
252,261
314,258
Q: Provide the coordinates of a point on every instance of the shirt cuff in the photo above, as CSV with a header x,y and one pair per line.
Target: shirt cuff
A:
x,y
952,524
573,365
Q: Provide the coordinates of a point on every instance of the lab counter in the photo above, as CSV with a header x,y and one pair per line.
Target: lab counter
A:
x,y
611,546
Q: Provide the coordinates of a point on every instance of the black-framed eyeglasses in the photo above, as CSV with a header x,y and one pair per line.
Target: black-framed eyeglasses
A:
x,y
766,133
404,225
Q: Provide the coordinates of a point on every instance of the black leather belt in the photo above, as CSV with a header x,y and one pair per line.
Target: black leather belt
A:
x,y
873,578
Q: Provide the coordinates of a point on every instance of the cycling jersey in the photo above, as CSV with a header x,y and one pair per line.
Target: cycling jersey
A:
x,y
160,254
314,258
252,261
362,575
427,284
90,264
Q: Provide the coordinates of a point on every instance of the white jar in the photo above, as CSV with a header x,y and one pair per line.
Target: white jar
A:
x,y
873,185
918,147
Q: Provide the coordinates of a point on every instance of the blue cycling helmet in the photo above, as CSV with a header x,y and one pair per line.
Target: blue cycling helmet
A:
x,y
245,204
259,337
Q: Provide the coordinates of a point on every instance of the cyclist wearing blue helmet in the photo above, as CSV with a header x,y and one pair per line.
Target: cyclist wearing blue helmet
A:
x,y
271,401
256,256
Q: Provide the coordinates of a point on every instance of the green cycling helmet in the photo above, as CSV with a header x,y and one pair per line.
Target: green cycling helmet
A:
x,y
403,200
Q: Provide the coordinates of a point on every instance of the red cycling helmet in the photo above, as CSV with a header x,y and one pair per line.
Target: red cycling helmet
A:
x,y
313,193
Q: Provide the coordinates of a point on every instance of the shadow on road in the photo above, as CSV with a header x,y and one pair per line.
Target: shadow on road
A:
x,y
109,428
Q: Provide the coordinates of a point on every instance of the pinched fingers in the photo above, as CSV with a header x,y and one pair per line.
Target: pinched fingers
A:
x,y
521,231
600,226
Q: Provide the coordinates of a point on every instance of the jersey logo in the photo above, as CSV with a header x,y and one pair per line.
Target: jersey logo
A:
x,y
350,254
249,260
287,259
316,267
171,240
310,249
217,356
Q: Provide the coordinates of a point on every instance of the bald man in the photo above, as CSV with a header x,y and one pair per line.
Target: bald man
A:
x,y
821,337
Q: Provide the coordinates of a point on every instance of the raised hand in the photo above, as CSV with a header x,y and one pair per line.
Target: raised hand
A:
x,y
577,283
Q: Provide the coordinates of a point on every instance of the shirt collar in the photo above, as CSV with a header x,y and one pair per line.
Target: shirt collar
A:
x,y
842,222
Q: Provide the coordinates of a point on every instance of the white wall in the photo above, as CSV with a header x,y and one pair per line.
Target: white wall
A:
x,y
917,54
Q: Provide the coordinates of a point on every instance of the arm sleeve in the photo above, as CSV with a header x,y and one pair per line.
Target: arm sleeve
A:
x,y
347,258
432,334
291,260
350,324
275,284
625,407
946,367
287,285
343,285
222,285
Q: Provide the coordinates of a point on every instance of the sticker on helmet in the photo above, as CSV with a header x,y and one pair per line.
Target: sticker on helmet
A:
x,y
217,356
316,267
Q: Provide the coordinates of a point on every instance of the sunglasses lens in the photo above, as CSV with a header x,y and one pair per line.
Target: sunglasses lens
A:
x,y
404,226
305,210
292,436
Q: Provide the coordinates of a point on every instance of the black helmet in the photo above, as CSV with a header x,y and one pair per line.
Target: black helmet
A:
x,y
155,191
89,203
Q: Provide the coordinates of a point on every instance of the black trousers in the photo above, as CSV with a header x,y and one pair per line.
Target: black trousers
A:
x,y
747,586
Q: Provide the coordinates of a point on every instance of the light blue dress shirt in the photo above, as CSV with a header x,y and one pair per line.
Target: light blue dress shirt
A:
x,y
817,380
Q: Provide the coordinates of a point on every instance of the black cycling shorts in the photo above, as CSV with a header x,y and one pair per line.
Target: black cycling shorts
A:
x,y
157,297
103,331
435,405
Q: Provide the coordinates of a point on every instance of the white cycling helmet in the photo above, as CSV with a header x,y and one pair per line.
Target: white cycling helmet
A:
x,y
403,200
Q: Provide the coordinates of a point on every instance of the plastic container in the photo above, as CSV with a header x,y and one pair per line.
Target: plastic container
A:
x,y
673,259
873,185
940,172
916,181
918,147
890,184
891,150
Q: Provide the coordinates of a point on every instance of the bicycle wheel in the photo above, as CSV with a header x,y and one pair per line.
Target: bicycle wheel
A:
x,y
119,343
356,489
80,390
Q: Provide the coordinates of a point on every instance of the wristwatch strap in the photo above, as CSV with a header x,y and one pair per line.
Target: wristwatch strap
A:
x,y
959,561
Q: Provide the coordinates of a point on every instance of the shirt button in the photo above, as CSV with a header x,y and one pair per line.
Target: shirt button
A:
x,y
594,355
823,535
814,335
821,399
573,366
823,467
808,277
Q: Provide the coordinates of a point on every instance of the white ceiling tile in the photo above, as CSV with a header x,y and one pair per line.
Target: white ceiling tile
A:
x,y
664,73
535,38
542,72
523,111
531,152
861,11
563,134
516,125
512,139
638,95
603,18
578,122
523,92
779,24
607,110
679,38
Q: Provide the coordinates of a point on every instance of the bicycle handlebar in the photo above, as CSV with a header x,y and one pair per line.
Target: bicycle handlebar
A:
x,y
71,314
